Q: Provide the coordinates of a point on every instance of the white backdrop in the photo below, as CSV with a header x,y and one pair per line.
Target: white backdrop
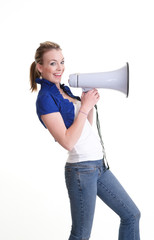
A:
x,y
95,36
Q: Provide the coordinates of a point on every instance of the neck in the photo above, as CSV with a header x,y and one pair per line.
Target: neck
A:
x,y
58,85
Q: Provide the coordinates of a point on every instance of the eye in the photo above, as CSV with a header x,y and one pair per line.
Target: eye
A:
x,y
53,63
63,62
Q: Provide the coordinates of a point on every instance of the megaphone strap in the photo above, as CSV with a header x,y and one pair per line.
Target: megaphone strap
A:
x,y
100,135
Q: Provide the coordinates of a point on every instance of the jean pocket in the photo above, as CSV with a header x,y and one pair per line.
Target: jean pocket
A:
x,y
85,170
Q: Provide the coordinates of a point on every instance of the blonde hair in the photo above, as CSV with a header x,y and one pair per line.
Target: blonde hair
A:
x,y
34,73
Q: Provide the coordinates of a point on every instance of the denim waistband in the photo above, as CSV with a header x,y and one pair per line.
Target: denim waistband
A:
x,y
95,163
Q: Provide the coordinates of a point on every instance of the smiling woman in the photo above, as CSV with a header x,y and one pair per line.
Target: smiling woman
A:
x,y
53,66
69,120
47,57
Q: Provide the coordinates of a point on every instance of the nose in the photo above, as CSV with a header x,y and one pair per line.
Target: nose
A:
x,y
59,67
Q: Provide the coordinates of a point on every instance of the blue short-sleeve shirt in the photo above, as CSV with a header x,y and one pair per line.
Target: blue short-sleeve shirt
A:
x,y
50,100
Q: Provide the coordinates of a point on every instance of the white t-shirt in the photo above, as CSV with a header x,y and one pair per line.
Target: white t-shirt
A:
x,y
88,147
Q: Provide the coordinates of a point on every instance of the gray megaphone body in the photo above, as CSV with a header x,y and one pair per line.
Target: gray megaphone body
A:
x,y
116,80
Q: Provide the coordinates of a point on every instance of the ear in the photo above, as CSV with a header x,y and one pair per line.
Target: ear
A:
x,y
39,67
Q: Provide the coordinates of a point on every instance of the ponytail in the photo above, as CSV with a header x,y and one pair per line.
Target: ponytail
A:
x,y
33,75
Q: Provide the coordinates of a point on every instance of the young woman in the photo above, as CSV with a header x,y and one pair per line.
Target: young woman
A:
x,y
69,120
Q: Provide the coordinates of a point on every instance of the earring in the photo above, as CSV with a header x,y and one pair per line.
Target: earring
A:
x,y
40,76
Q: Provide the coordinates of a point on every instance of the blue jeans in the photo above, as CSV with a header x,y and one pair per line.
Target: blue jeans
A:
x,y
85,181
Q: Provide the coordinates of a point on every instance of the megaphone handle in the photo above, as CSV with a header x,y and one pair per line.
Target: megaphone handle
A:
x,y
100,135
86,89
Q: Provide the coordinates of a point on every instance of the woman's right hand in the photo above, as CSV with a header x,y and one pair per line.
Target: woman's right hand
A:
x,y
89,99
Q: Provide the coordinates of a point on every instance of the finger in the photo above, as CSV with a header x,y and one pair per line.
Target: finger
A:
x,y
96,93
92,90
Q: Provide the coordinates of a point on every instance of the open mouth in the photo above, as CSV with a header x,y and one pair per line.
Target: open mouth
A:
x,y
57,74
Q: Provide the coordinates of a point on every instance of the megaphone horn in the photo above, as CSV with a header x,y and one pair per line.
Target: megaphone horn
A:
x,y
117,80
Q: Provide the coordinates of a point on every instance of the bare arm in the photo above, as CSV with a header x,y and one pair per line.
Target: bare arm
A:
x,y
55,124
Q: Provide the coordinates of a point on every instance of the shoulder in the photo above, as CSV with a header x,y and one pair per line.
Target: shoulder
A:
x,y
45,103
44,98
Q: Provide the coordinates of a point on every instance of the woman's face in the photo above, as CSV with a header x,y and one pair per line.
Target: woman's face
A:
x,y
53,66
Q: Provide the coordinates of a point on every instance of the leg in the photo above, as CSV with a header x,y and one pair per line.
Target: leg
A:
x,y
114,195
81,181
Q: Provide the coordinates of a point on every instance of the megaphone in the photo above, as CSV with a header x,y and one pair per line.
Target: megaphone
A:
x,y
116,80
